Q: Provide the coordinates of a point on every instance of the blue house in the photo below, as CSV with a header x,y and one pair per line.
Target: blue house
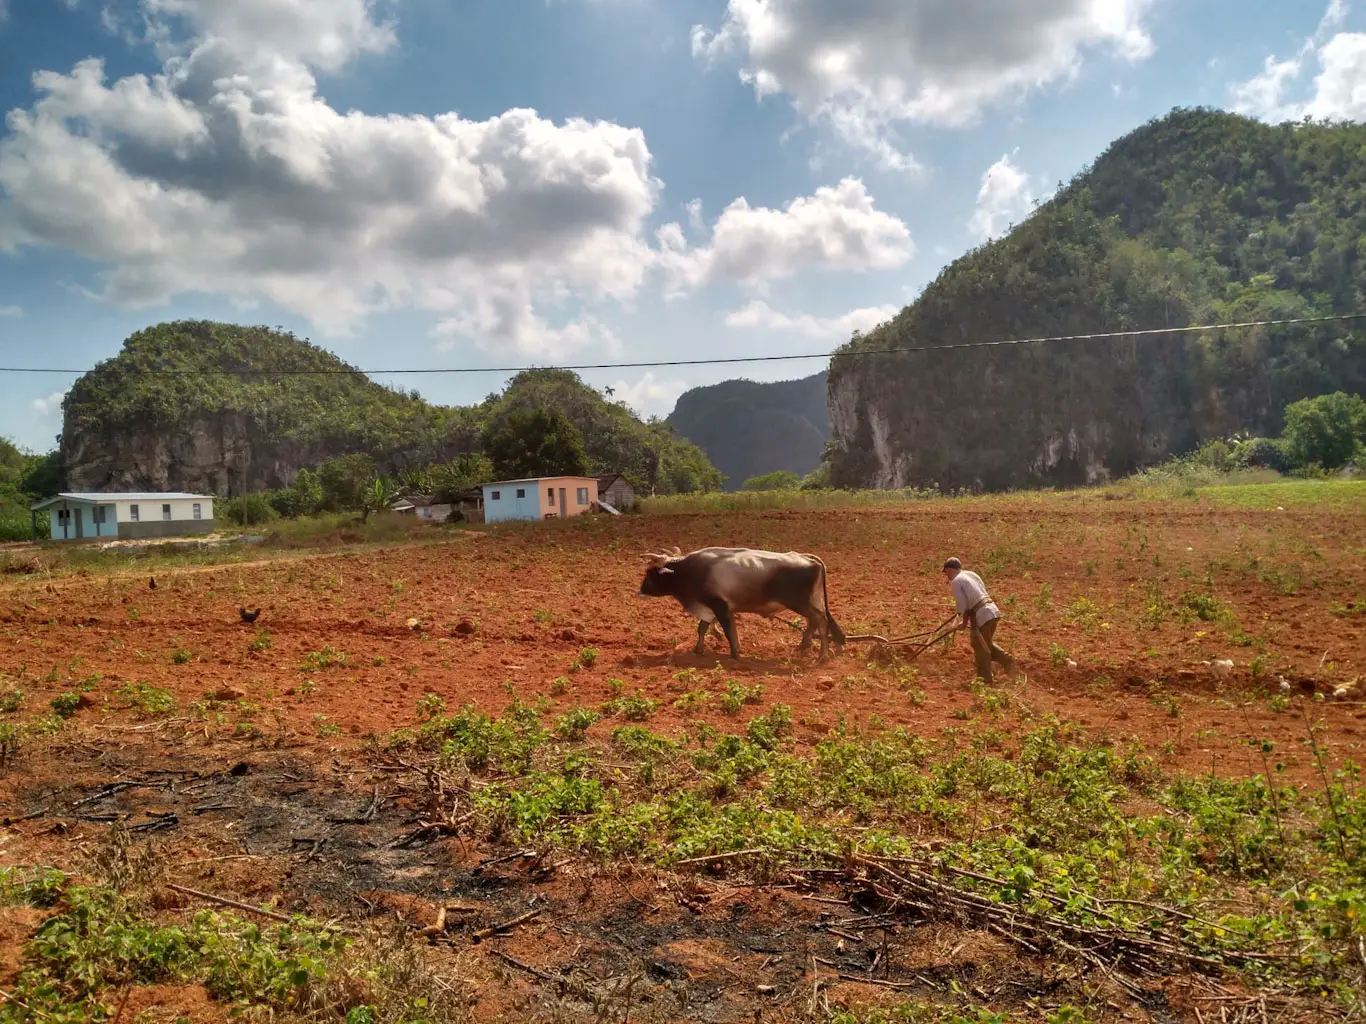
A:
x,y
546,497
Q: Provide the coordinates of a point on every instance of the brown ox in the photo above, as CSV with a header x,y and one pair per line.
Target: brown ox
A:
x,y
712,584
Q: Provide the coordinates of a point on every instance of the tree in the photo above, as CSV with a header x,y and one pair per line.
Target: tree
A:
x,y
462,472
778,480
536,442
1326,431
344,480
378,496
305,498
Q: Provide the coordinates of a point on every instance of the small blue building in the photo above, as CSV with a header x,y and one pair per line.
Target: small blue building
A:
x,y
546,497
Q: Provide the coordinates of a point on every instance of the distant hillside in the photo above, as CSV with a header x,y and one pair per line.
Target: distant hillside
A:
x,y
1199,217
747,428
202,406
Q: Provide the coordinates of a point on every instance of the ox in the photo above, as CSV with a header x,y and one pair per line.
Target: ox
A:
x,y
712,584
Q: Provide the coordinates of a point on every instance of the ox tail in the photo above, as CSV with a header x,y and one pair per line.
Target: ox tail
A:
x,y
830,622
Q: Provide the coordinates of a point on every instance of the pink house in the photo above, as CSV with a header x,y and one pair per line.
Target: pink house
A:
x,y
547,497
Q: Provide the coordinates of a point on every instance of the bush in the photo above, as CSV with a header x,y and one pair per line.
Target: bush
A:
x,y
1261,453
246,510
1327,431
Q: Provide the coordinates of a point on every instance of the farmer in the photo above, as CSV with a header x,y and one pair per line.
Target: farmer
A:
x,y
980,614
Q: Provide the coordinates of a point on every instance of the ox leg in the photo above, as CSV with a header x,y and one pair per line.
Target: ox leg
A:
x,y
703,626
726,621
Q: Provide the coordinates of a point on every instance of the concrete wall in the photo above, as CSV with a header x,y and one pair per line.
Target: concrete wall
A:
x,y
89,529
150,511
535,504
162,528
507,506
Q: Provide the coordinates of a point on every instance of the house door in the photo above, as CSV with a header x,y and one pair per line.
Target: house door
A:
x,y
564,509
80,532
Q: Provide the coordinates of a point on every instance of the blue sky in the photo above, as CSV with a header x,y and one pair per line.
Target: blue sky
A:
x,y
423,183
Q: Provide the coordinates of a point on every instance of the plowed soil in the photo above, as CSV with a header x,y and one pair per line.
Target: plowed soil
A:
x,y
1119,614
1077,580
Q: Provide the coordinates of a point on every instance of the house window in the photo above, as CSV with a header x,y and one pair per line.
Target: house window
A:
x,y
133,513
496,496
196,511
97,515
521,492
166,512
583,495
550,495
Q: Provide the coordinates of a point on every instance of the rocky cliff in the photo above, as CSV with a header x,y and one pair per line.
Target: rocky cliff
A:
x,y
749,428
1200,217
227,409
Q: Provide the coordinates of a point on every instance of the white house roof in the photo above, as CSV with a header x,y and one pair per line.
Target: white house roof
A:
x,y
104,497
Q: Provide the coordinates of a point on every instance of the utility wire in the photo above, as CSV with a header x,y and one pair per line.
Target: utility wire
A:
x,y
645,364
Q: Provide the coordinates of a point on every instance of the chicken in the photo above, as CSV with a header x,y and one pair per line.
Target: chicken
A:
x,y
151,583
247,616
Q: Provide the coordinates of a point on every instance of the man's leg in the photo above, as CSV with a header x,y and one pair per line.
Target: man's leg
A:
x,y
981,651
996,654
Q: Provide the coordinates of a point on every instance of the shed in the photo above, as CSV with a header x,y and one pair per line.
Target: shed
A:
x,y
127,515
617,491
422,506
546,497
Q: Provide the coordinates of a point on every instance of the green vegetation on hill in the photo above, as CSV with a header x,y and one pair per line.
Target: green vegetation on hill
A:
x,y
1199,217
281,388
195,405
748,428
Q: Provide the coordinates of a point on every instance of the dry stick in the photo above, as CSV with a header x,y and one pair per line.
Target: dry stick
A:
x,y
492,930
7,997
224,901
875,981
715,857
1323,774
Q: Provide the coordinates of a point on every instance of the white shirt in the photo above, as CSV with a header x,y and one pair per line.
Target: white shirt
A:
x,y
968,589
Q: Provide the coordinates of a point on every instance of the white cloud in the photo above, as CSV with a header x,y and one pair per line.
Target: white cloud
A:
x,y
836,228
49,405
1338,91
759,315
864,66
648,396
694,211
1004,198
228,173
11,311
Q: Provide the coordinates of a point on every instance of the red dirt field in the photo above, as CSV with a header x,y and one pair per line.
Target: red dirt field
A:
x,y
1115,612
536,596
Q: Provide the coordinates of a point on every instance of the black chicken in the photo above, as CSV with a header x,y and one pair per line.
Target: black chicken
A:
x,y
247,616
151,583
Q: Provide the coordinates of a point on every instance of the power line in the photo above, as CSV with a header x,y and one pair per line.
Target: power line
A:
x,y
792,357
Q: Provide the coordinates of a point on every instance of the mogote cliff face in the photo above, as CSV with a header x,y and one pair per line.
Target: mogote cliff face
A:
x,y
212,455
991,421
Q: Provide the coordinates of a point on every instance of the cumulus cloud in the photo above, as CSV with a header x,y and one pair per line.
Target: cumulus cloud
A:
x,y
11,311
836,228
760,315
1338,90
228,173
650,396
1004,198
49,405
865,66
